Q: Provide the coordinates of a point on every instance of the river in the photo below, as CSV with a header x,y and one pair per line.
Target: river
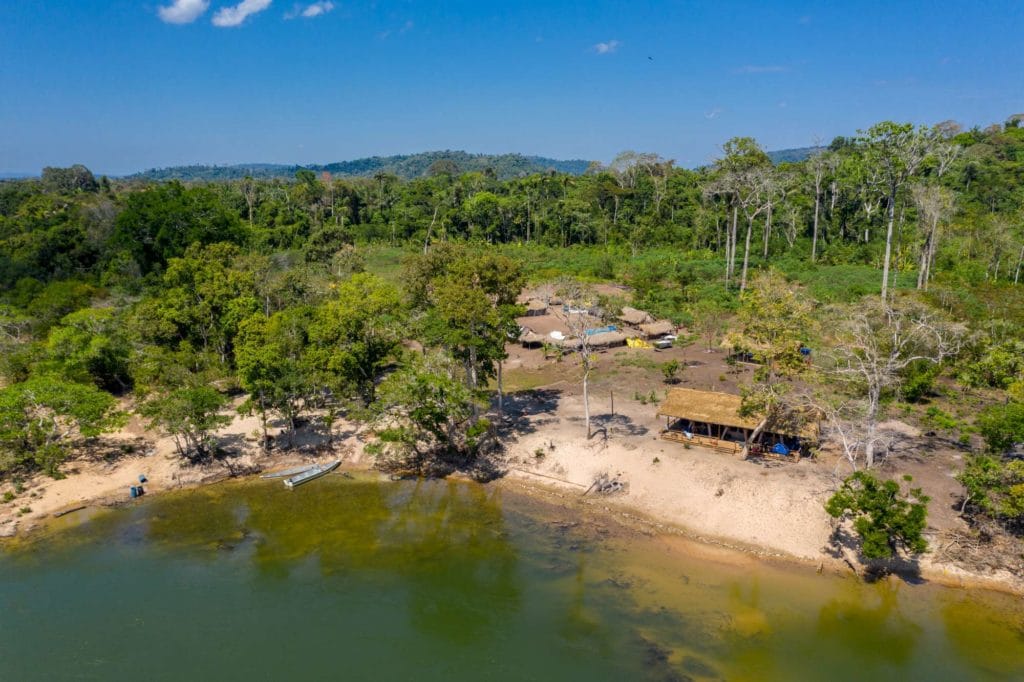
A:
x,y
440,580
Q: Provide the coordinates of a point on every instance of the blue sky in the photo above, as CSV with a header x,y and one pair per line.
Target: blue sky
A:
x,y
124,85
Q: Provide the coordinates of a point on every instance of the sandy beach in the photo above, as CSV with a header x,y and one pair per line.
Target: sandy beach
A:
x,y
768,509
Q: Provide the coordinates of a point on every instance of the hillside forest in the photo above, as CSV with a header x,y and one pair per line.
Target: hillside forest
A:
x,y
895,254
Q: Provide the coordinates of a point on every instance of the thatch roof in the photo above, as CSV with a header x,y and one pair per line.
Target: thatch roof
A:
x,y
634,316
659,328
605,339
531,338
723,409
536,307
566,343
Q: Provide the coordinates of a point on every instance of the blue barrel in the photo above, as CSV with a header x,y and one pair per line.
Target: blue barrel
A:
x,y
142,478
134,492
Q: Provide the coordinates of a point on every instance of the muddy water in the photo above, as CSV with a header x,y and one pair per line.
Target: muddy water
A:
x,y
363,580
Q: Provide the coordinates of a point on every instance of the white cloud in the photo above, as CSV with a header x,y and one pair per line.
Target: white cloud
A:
x,y
607,48
234,16
318,8
761,68
714,113
310,11
182,11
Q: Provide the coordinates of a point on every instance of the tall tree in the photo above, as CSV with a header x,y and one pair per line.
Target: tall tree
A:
x,y
821,166
894,152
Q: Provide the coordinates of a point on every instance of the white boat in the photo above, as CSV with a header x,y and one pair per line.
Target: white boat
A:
x,y
289,472
308,475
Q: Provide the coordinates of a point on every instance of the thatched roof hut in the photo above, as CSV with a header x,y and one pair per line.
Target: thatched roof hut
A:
x,y
535,307
634,316
656,329
723,409
565,343
531,338
606,339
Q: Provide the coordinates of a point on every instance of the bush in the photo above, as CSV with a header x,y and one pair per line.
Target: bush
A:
x,y
994,487
1002,426
919,380
671,371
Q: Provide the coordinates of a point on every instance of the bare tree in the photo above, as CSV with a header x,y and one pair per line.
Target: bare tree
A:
x,y
577,299
876,343
893,152
934,204
822,165
755,189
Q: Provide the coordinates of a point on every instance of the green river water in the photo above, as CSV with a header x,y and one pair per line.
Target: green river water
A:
x,y
363,580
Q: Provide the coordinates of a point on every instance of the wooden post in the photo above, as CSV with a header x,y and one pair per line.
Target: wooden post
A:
x,y
613,402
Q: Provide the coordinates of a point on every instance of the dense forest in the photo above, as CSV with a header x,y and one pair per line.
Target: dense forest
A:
x,y
405,166
389,300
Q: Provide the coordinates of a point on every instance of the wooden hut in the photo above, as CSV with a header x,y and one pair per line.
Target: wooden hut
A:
x,y
713,420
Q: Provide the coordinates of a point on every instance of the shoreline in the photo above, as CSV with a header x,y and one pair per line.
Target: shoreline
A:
x,y
561,494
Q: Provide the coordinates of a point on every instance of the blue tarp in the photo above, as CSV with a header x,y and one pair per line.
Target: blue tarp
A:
x,y
601,330
780,449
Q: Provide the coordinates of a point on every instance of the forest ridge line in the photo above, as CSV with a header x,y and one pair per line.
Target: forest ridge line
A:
x,y
404,166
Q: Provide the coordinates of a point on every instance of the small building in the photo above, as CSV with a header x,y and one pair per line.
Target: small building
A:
x,y
536,308
531,339
657,329
606,339
635,317
713,420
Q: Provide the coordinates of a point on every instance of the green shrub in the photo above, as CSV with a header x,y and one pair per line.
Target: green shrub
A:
x,y
1002,426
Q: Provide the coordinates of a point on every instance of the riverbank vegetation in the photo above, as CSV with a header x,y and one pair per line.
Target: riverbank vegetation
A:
x,y
896,255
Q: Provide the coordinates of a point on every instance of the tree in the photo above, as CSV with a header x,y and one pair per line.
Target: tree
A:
x,y
202,302
272,367
578,297
77,178
425,418
821,165
876,343
356,334
775,319
470,301
89,346
934,204
887,519
744,172
894,152
708,323
190,415
41,417
161,222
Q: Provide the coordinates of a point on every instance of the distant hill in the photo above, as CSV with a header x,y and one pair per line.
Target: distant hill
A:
x,y
404,166
793,155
